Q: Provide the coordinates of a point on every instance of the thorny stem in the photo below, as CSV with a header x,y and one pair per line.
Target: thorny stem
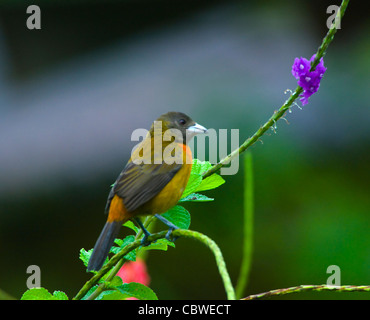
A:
x,y
302,288
321,51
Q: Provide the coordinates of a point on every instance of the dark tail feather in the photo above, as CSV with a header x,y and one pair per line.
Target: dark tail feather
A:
x,y
103,245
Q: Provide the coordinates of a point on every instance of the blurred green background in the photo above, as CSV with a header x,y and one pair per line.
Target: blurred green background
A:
x,y
73,92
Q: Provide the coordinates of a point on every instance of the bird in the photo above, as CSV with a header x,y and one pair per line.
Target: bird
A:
x,y
152,181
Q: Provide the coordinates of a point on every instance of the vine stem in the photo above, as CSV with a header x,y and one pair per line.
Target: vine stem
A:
x,y
160,235
218,256
302,288
245,268
118,265
278,114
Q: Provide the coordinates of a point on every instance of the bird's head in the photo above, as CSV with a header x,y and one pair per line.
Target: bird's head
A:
x,y
179,125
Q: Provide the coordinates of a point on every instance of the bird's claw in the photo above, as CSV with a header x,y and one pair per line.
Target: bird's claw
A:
x,y
144,240
169,233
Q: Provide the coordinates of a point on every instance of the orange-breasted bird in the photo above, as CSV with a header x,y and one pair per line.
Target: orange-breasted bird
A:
x,y
152,181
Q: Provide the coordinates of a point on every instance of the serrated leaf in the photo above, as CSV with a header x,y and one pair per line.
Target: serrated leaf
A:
x,y
137,290
85,256
199,167
179,216
123,243
60,295
131,225
160,244
37,294
194,181
210,182
196,197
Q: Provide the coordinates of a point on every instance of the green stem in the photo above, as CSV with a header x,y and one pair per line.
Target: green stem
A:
x,y
111,275
119,264
321,51
248,227
5,296
219,258
302,288
160,235
112,262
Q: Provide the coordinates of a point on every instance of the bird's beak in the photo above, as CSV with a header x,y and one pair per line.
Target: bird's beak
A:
x,y
196,128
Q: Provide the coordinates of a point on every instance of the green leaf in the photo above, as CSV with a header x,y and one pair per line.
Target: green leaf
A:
x,y
123,243
196,197
111,295
179,216
137,290
37,294
128,290
131,225
60,295
194,181
85,256
116,281
88,293
211,182
199,167
160,244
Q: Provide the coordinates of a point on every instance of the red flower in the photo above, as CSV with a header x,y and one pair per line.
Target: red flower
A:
x,y
134,271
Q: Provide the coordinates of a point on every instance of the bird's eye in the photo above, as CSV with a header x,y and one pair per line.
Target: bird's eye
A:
x,y
182,121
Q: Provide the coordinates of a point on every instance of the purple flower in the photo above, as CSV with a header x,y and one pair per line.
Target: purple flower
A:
x,y
300,66
308,80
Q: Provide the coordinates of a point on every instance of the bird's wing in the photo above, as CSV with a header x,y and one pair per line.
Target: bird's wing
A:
x,y
138,183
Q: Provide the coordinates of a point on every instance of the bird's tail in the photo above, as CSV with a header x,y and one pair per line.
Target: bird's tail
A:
x,y
103,244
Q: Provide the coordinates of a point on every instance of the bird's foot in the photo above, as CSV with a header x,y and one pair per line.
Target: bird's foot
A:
x,y
169,236
170,225
144,240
